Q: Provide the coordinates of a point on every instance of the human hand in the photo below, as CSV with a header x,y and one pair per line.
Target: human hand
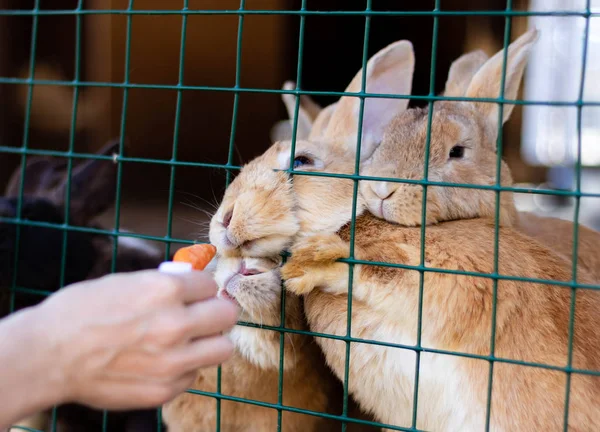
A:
x,y
134,340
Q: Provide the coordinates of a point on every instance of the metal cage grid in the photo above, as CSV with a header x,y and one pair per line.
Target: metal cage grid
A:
x,y
24,151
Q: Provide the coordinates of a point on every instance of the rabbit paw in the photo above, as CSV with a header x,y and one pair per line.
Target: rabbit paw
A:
x,y
322,249
313,265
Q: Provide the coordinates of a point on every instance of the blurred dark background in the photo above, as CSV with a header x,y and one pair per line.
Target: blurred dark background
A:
x,y
332,54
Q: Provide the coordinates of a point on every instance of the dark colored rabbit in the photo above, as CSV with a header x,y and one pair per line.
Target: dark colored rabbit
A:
x,y
87,255
40,251
40,248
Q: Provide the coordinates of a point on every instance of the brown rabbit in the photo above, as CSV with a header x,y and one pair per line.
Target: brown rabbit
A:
x,y
263,212
532,323
253,372
188,412
259,215
463,150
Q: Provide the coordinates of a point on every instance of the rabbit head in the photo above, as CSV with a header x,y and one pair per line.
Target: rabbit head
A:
x,y
462,146
40,248
93,184
264,208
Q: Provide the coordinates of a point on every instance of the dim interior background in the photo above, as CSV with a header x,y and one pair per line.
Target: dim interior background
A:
x,y
539,144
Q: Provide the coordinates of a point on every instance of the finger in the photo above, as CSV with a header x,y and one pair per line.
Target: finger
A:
x,y
206,352
162,366
179,324
141,394
211,317
196,286
184,382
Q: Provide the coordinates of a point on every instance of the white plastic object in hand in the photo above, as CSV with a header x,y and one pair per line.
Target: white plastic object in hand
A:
x,y
173,267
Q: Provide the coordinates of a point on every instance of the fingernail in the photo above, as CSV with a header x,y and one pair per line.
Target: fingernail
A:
x,y
172,267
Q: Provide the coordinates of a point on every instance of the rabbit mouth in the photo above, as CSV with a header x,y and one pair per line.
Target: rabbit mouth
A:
x,y
226,296
227,291
232,283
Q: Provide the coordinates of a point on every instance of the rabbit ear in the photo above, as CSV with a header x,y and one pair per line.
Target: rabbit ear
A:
x,y
322,121
307,112
309,108
390,71
93,186
462,71
41,176
281,131
487,81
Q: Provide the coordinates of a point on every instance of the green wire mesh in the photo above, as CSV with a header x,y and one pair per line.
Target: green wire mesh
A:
x,y
368,13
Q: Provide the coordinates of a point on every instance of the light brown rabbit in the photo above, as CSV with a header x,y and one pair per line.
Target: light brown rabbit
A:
x,y
463,150
259,215
263,212
253,371
532,324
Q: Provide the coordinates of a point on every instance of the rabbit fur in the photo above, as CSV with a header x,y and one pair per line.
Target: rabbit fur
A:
x,y
263,212
189,412
403,157
271,184
473,129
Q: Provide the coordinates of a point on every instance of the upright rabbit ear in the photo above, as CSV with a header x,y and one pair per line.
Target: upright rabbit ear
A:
x,y
309,107
93,186
390,71
322,122
318,118
462,71
487,81
42,175
281,131
307,112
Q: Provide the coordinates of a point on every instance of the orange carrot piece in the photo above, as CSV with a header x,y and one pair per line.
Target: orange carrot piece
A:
x,y
197,255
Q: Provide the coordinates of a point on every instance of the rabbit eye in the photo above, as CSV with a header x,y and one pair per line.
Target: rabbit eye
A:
x,y
302,160
457,152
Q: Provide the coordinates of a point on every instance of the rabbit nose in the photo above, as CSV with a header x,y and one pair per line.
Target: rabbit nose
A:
x,y
227,218
384,190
